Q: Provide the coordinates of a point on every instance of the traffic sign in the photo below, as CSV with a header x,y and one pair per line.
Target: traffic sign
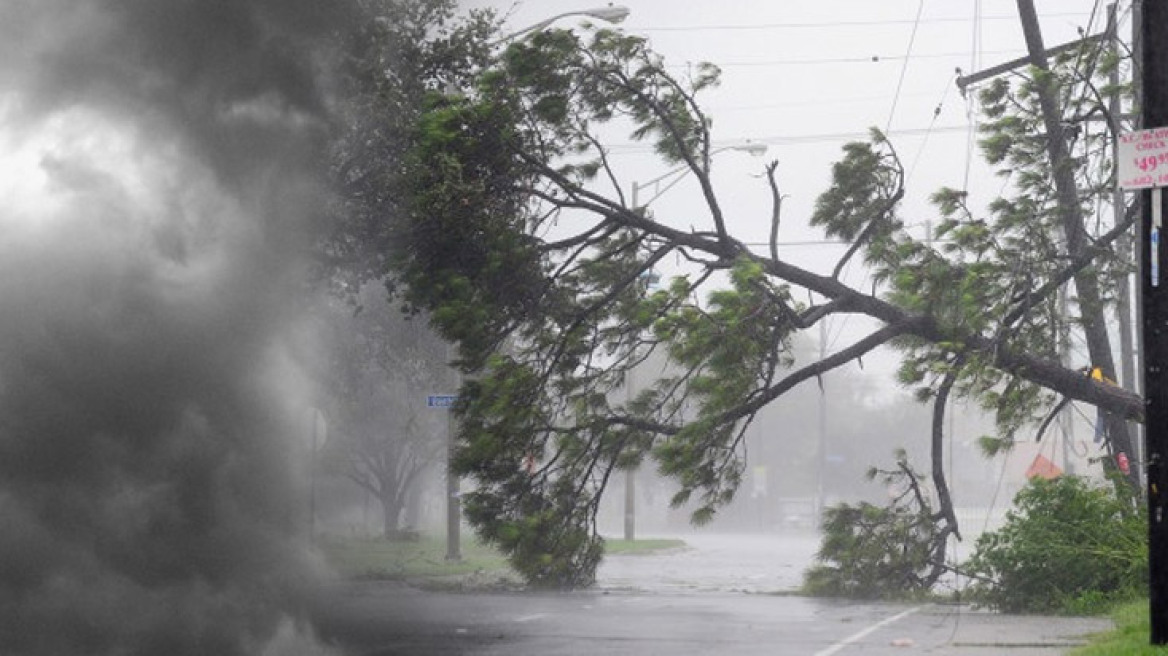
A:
x,y
441,400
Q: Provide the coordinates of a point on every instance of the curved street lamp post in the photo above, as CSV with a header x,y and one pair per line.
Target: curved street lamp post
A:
x,y
609,14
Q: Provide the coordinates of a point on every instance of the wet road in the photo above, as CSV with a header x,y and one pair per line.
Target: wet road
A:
x,y
721,596
377,619
763,563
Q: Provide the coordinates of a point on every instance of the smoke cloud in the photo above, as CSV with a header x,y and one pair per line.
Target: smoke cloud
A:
x,y
159,170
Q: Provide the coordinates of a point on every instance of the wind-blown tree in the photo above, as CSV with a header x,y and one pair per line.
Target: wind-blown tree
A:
x,y
401,51
517,236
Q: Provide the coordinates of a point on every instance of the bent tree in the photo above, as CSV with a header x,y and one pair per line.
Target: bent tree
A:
x,y
518,238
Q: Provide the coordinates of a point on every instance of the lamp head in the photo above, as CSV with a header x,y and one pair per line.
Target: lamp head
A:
x,y
610,13
755,149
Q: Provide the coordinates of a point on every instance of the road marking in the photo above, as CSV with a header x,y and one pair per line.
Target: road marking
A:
x,y
529,618
839,646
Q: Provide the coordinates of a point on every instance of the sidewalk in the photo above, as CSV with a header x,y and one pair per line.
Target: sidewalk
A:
x,y
961,631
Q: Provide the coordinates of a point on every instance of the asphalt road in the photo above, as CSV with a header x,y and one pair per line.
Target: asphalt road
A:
x,y
384,619
724,594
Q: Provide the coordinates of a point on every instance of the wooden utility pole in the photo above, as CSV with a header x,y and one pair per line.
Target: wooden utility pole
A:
x,y
1071,218
1153,83
1125,250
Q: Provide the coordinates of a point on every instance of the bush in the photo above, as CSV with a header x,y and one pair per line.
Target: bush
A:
x,y
1068,546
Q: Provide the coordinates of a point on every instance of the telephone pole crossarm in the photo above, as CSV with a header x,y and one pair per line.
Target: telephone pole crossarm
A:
x,y
964,81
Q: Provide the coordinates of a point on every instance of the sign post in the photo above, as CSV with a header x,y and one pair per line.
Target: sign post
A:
x,y
1143,165
453,509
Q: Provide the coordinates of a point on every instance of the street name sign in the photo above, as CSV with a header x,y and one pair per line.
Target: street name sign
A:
x,y
441,400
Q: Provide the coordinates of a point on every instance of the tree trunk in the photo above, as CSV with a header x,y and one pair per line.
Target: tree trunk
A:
x,y
413,507
946,515
391,510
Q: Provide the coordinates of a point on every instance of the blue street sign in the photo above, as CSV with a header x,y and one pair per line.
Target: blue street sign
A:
x,y
441,400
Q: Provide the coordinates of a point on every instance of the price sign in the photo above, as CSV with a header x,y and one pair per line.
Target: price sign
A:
x,y
1143,164
1142,159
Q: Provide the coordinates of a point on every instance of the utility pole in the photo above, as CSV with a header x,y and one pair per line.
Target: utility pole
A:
x,y
631,472
1071,217
630,475
1154,89
1090,299
1124,250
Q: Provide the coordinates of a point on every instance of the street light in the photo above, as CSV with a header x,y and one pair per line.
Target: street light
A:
x,y
609,14
754,149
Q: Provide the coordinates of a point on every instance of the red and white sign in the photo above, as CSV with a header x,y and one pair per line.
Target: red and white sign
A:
x,y
1143,159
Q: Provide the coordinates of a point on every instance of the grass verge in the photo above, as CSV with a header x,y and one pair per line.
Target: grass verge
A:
x,y
424,559
1130,637
406,560
641,547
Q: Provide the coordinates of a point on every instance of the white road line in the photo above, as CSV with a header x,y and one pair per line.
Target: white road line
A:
x,y
529,618
839,646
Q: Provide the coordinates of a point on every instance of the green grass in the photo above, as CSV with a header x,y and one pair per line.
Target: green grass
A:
x,y
1130,637
426,558
645,547
395,559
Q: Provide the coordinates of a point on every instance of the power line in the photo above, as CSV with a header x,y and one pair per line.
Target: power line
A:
x,y
791,140
857,59
975,52
808,102
832,24
924,142
912,39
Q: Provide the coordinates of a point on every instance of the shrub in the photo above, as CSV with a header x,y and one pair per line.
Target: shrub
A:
x,y
1067,546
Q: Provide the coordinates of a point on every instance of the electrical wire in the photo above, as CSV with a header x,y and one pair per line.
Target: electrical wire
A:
x,y
925,141
833,24
997,490
808,102
855,59
887,129
970,109
912,39
781,140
